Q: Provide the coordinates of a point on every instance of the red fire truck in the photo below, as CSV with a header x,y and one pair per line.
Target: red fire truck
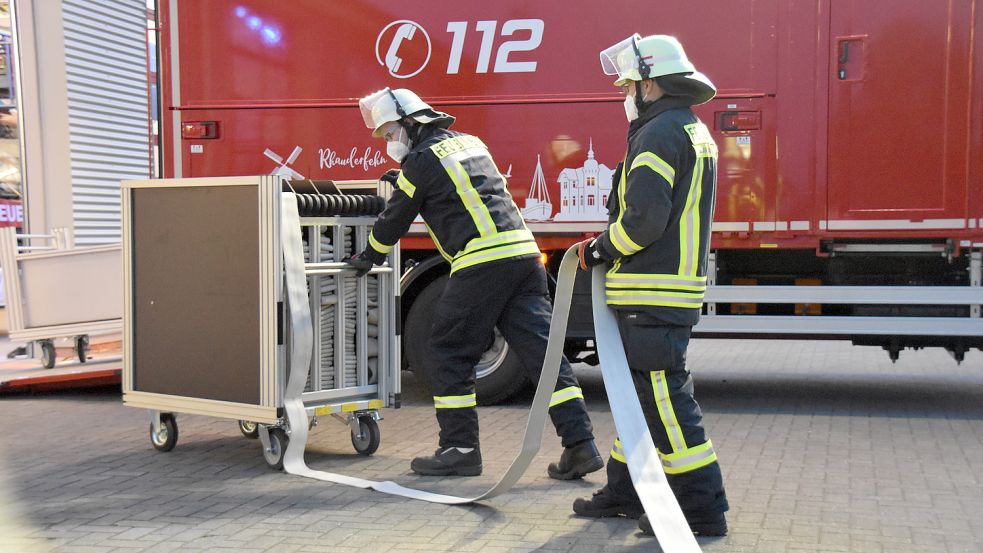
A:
x,y
850,195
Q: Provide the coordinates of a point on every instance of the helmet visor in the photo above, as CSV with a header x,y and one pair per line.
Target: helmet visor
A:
x,y
367,104
620,59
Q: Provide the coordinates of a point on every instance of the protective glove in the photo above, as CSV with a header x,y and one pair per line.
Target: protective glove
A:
x,y
390,176
588,254
362,262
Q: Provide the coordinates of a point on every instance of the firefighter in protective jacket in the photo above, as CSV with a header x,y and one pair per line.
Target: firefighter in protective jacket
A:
x,y
496,277
656,247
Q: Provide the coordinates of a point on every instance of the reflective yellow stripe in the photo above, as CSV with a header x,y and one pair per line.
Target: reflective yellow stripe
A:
x,y
465,190
621,211
436,243
379,246
621,187
566,394
405,185
644,286
454,402
481,243
688,460
618,452
655,280
655,289
664,299
494,254
621,240
689,223
655,163
349,407
660,388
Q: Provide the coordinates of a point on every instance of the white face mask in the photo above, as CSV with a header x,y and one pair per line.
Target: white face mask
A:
x,y
397,149
631,110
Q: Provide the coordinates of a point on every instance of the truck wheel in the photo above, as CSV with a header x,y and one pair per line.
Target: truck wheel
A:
x,y
499,372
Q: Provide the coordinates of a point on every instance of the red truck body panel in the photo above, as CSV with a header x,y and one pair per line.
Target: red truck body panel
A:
x,y
859,122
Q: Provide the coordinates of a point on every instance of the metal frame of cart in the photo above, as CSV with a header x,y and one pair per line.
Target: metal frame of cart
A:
x,y
55,291
155,211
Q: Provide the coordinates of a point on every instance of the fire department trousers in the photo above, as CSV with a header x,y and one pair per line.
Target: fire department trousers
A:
x,y
513,297
656,355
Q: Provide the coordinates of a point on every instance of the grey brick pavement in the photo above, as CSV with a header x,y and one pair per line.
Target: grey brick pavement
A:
x,y
824,447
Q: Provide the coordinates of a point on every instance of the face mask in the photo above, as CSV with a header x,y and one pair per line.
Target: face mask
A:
x,y
397,149
631,110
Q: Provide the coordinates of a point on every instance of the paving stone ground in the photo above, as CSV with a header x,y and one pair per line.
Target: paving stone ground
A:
x,y
825,447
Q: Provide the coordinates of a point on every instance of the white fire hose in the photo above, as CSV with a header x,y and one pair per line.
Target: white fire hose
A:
x,y
644,465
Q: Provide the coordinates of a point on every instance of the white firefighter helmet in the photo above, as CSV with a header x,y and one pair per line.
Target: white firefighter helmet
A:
x,y
387,105
638,58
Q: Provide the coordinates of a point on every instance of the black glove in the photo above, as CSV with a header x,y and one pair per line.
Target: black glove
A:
x,y
588,254
390,176
362,262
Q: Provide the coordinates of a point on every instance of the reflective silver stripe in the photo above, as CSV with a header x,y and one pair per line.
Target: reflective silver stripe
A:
x,y
660,389
689,459
621,240
689,223
454,402
639,297
494,254
466,191
655,279
655,163
481,242
566,394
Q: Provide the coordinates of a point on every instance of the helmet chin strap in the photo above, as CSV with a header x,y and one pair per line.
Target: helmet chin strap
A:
x,y
644,70
639,103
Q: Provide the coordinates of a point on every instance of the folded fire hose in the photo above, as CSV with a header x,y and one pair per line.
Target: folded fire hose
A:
x,y
644,465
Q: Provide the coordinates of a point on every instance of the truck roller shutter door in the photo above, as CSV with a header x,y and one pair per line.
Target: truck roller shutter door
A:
x,y
106,75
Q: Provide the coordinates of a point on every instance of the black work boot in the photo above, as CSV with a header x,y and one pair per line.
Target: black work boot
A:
x,y
606,504
449,461
576,461
703,525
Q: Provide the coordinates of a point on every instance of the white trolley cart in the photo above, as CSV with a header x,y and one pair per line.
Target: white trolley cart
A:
x,y
204,329
54,290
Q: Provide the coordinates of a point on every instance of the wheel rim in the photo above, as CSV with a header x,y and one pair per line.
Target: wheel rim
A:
x,y
363,437
159,438
247,426
273,454
493,357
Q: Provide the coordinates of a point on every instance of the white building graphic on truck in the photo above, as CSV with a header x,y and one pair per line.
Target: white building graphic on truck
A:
x,y
584,191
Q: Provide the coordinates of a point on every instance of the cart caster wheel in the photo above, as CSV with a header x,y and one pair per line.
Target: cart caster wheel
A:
x,y
166,439
82,347
278,446
366,439
249,429
47,353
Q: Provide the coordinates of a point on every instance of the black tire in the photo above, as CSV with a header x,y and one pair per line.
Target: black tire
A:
x,y
167,438
249,429
82,347
500,373
366,440
48,356
278,446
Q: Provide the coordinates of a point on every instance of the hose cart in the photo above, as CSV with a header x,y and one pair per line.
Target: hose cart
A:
x,y
204,310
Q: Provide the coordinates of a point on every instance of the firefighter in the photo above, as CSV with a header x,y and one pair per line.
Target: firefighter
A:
x,y
496,277
655,248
